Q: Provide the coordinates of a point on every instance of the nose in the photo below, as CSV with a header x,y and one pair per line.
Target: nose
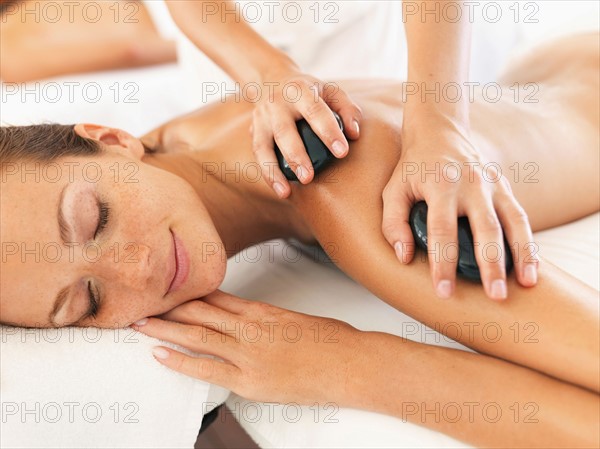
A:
x,y
128,265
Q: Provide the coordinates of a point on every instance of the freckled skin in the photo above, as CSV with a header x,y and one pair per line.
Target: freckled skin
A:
x,y
130,257
342,210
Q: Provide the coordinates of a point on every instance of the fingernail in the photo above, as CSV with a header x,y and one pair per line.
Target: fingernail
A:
x,y
302,173
356,127
498,289
399,253
141,322
530,274
160,353
444,289
279,189
338,148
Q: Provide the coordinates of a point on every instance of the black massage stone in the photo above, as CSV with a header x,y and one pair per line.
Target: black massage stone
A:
x,y
467,264
319,154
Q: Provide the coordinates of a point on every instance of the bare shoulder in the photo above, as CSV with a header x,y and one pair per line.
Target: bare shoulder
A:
x,y
343,206
203,128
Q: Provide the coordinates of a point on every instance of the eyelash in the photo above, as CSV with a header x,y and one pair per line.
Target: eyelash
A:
x,y
104,213
93,309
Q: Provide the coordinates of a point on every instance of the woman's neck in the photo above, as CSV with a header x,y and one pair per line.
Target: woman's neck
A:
x,y
243,209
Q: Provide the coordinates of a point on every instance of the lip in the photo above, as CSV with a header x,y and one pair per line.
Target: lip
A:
x,y
179,265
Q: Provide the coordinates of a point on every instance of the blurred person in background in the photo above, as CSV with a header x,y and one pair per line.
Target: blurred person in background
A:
x,y
46,39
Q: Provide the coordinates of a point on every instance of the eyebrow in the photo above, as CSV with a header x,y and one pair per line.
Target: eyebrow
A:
x,y
66,232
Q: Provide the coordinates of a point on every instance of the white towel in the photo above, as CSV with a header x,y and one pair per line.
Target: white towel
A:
x,y
88,387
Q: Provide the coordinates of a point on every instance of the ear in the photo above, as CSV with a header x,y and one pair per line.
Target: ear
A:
x,y
114,138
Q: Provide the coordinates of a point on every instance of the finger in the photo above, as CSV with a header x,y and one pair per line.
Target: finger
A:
x,y
289,142
442,243
340,102
228,302
323,123
489,247
395,225
519,235
198,312
197,338
209,370
262,146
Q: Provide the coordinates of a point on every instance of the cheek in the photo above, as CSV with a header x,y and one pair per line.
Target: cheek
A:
x,y
164,201
205,249
123,311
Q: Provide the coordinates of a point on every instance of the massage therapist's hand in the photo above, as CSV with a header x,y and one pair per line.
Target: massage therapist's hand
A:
x,y
439,164
268,353
290,95
283,93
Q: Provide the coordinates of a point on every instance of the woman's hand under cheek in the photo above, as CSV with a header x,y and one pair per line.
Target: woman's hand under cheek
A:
x,y
269,353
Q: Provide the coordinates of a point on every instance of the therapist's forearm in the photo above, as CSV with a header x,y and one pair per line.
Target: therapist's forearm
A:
x,y
474,398
438,52
217,28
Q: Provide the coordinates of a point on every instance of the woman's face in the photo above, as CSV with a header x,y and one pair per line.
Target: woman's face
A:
x,y
109,229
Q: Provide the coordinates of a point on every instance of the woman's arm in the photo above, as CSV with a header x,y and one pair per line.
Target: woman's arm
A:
x,y
552,328
475,398
26,59
472,397
122,36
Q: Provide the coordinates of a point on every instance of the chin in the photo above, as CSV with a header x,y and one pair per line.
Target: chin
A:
x,y
218,280
210,273
219,273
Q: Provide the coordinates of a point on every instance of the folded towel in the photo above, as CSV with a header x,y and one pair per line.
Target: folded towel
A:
x,y
88,387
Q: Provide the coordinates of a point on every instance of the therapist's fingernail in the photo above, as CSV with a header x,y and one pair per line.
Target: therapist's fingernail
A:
x,y
160,353
141,322
530,274
302,173
444,289
498,289
279,189
399,252
338,148
356,127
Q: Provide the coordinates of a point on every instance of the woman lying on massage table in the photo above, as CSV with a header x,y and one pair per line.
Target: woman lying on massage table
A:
x,y
102,229
45,39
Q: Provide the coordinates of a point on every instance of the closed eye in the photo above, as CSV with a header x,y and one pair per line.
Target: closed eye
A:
x,y
103,216
94,301
94,297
